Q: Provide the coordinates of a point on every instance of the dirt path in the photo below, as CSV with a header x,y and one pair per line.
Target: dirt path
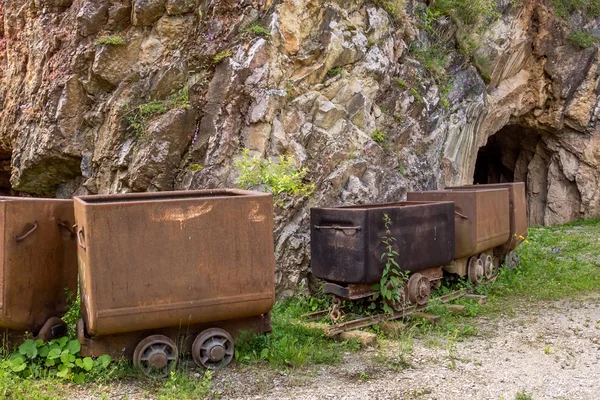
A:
x,y
545,351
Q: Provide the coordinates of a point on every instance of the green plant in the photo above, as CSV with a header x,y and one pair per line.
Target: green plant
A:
x,y
547,350
565,8
196,167
278,176
391,285
335,71
582,39
399,117
258,30
137,118
401,83
73,313
415,93
395,8
469,12
523,396
378,136
434,59
291,344
59,357
186,385
220,56
114,40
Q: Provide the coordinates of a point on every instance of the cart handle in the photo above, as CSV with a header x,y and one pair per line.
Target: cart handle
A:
x,y
22,237
66,226
461,215
81,238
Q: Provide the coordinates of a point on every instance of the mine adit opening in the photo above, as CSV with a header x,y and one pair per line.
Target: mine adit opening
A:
x,y
517,154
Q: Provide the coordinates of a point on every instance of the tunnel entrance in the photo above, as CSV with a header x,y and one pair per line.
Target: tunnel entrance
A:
x,y
517,154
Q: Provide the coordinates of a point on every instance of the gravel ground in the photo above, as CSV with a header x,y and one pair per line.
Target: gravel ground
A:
x,y
547,350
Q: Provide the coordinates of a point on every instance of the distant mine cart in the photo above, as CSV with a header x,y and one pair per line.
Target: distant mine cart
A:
x,y
39,267
517,217
346,247
482,224
173,272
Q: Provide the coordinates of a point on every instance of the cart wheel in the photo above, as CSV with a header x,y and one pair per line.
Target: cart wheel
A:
x,y
53,328
155,356
475,270
418,289
213,348
488,266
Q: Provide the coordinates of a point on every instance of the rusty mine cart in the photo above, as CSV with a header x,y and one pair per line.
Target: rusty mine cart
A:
x,y
38,263
173,272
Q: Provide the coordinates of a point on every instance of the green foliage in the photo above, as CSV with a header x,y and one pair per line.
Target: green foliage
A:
x,y
278,176
582,39
137,118
378,136
73,313
417,95
292,344
114,40
470,12
185,385
391,284
196,167
335,71
395,8
434,59
556,262
565,8
523,396
401,83
258,30
220,56
59,357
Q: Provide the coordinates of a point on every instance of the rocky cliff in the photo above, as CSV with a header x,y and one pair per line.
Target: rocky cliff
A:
x,y
371,98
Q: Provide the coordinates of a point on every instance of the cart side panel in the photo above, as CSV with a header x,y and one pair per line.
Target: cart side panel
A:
x,y
493,221
175,262
337,254
424,235
39,261
464,217
517,209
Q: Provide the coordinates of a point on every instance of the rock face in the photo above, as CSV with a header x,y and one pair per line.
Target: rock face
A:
x,y
151,95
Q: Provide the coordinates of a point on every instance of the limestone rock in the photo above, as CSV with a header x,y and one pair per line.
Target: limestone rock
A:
x,y
147,12
177,7
92,17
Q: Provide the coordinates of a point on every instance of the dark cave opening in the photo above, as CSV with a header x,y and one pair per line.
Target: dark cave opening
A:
x,y
517,154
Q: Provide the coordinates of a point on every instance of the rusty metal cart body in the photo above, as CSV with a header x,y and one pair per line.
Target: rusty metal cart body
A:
x,y
346,246
482,224
156,269
38,266
517,215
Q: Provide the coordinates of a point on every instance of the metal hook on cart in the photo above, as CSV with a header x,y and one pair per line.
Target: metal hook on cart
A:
x,y
22,237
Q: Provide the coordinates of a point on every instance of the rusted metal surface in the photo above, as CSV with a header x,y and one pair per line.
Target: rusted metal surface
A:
x,y
346,244
123,345
350,292
481,218
517,210
38,263
171,259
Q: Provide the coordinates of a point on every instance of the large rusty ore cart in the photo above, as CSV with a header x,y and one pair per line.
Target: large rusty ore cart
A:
x,y
346,247
38,266
517,215
174,272
482,223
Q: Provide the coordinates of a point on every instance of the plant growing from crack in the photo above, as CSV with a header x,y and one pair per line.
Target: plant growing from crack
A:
x,y
391,285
